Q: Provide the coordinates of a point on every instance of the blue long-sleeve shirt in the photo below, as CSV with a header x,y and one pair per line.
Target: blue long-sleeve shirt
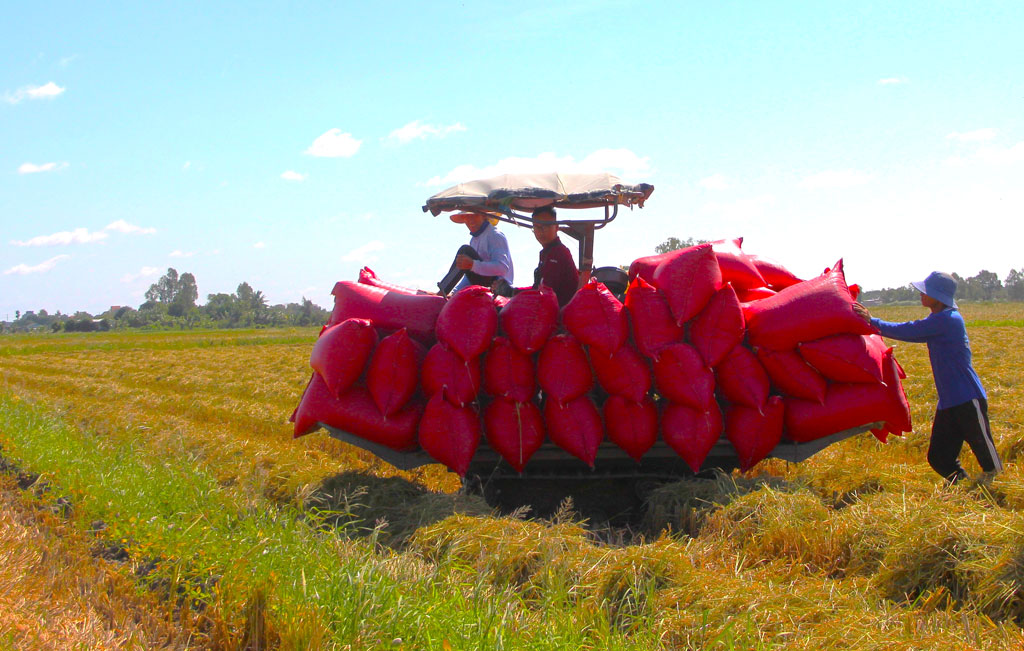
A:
x,y
492,246
949,352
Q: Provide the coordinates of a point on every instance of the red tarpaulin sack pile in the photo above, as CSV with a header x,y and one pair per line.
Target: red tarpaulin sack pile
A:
x,y
710,341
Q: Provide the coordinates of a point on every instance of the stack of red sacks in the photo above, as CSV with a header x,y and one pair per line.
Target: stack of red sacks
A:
x,y
734,344
513,421
363,384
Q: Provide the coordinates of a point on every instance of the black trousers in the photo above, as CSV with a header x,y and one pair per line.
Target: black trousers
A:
x,y
454,275
965,422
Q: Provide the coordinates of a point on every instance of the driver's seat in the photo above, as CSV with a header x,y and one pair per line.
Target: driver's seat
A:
x,y
614,278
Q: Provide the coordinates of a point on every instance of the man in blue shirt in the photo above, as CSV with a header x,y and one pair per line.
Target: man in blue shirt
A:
x,y
962,411
485,259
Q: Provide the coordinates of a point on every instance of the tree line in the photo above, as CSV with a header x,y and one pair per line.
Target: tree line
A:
x,y
171,303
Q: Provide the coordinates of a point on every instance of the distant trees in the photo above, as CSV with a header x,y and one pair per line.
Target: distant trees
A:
x,y
1015,285
674,243
984,286
171,304
178,294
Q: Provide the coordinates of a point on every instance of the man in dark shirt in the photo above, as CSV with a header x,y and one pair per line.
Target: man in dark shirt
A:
x,y
556,269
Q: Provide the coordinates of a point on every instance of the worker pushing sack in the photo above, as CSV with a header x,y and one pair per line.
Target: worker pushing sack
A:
x,y
962,411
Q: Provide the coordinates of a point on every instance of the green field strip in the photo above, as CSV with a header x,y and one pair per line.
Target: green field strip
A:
x,y
322,588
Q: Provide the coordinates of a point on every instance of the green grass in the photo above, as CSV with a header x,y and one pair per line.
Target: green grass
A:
x,y
319,586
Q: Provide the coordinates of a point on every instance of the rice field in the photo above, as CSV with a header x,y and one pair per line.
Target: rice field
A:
x,y
152,497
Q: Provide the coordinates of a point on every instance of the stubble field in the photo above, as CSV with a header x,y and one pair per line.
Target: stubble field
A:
x,y
152,497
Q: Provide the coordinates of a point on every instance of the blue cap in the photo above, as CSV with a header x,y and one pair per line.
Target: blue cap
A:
x,y
940,286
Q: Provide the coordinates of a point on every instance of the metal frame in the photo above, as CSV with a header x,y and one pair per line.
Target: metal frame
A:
x,y
660,461
499,206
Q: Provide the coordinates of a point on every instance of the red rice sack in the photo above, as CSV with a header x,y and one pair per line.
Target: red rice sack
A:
x,y
341,352
633,426
737,267
653,325
368,277
644,267
689,277
792,375
754,294
449,434
623,373
742,379
844,358
898,420
846,406
575,427
468,321
692,433
681,376
394,371
514,429
719,327
530,318
388,310
754,433
596,318
444,369
775,275
356,414
563,370
811,310
508,372
878,344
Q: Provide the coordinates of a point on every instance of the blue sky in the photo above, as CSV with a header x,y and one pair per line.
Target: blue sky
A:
x,y
289,146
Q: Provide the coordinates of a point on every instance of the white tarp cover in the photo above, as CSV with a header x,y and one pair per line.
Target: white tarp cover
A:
x,y
530,191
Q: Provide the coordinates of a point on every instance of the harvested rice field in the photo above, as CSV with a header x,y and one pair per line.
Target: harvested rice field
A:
x,y
152,496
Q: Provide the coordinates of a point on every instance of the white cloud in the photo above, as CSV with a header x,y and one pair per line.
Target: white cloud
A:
x,y
64,62
892,81
991,155
715,182
178,253
622,162
145,272
364,253
32,168
832,179
77,236
42,267
290,175
259,245
1001,155
978,135
416,130
334,144
46,91
121,226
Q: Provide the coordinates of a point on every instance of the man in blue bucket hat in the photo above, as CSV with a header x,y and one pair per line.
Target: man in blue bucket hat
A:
x,y
962,411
